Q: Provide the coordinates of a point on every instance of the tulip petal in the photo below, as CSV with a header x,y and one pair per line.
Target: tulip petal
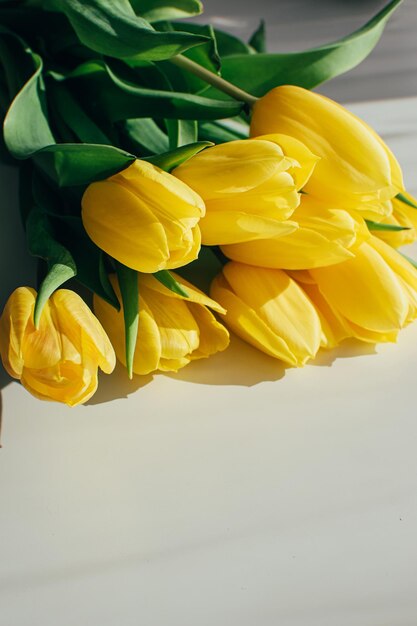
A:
x,y
123,226
187,252
406,273
277,198
365,290
162,191
402,215
232,167
42,347
355,165
305,160
194,294
68,383
245,323
228,227
280,303
148,347
214,337
178,329
302,249
75,320
13,322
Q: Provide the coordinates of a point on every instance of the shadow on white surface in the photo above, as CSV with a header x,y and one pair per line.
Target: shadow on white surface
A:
x,y
350,348
240,365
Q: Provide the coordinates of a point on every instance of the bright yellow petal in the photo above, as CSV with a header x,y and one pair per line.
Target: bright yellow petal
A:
x,y
247,324
75,320
305,160
365,291
67,383
221,228
122,225
280,303
214,337
233,167
402,215
355,165
13,322
188,252
194,294
163,192
276,198
178,330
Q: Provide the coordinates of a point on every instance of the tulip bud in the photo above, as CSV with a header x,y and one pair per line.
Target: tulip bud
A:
x,y
144,217
370,297
173,330
266,308
356,169
59,360
250,187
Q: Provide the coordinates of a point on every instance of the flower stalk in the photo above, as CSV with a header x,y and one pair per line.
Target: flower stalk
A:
x,y
213,79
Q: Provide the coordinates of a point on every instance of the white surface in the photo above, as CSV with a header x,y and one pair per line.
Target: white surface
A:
x,y
235,493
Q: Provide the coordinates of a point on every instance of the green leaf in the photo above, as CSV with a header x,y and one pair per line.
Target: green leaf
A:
x,y
16,60
118,98
257,41
385,227
166,278
144,133
81,164
26,127
111,27
221,131
63,212
74,116
157,10
181,132
406,200
128,282
228,44
205,55
172,159
91,271
259,73
42,243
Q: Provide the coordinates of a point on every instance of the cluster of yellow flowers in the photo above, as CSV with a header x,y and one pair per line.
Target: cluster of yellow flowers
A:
x,y
288,207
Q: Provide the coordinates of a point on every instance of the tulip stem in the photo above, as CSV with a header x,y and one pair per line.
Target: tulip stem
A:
x,y
213,79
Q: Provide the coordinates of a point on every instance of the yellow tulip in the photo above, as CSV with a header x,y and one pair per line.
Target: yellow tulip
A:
x,y
356,168
59,360
370,297
250,187
402,215
266,308
324,236
173,330
144,217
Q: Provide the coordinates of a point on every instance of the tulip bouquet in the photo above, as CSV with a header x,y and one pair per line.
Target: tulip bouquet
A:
x,y
147,145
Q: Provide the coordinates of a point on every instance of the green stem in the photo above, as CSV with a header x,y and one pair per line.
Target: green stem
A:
x,y
213,79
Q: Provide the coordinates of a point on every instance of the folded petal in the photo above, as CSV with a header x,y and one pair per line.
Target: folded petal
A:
x,y
355,165
365,290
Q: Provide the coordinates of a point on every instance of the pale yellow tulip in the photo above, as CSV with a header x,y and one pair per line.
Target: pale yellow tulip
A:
x,y
173,330
59,360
